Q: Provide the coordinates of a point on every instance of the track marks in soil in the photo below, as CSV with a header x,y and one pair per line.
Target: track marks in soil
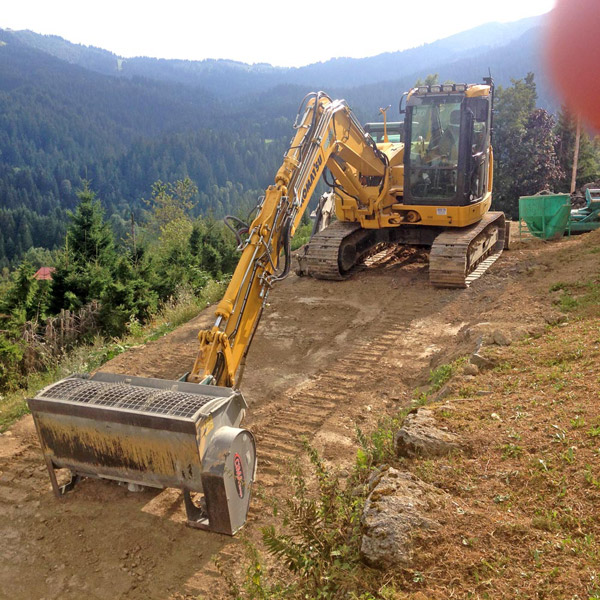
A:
x,y
324,355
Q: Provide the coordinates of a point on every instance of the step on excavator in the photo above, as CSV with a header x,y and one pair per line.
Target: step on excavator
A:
x,y
426,181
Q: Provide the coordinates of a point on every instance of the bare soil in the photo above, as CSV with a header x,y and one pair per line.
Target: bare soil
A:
x,y
327,356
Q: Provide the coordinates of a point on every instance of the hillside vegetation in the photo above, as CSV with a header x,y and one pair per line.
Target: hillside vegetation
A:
x,y
71,113
512,511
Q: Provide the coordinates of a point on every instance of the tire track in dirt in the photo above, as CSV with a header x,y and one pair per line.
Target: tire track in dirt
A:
x,y
309,407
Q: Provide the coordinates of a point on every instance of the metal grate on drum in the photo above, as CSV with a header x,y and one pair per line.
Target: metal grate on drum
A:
x,y
130,397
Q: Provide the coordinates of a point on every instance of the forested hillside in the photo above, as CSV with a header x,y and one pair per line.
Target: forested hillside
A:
x,y
230,78
61,124
71,113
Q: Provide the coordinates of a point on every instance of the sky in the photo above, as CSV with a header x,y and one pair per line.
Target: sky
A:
x,y
277,32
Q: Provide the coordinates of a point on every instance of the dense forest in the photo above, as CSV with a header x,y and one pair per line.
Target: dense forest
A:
x,y
71,113
61,125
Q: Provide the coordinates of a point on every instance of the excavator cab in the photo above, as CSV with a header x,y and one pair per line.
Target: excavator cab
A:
x,y
447,140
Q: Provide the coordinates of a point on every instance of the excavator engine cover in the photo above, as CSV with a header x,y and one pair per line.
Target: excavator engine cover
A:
x,y
152,432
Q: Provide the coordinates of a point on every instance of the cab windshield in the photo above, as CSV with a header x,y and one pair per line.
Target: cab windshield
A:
x,y
434,144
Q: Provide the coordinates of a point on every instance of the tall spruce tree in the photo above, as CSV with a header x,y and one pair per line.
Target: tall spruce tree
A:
x,y
21,300
87,264
89,237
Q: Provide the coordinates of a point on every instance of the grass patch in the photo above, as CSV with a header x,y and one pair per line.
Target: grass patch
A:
x,y
441,375
580,297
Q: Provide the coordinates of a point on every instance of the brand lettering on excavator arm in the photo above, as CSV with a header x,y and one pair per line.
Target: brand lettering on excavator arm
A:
x,y
313,175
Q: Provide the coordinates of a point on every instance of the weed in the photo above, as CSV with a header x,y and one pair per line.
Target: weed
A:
x,y
319,540
513,435
321,544
590,478
537,557
542,465
511,451
426,470
420,399
559,285
441,375
418,577
546,522
594,431
510,387
567,303
378,447
560,435
467,391
569,455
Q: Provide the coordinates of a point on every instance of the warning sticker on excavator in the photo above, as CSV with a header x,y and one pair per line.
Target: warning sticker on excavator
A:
x,y
441,211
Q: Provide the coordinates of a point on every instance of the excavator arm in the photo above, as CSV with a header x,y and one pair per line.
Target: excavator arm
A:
x,y
327,134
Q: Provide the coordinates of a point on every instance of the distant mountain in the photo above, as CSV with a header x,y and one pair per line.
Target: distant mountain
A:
x,y
231,78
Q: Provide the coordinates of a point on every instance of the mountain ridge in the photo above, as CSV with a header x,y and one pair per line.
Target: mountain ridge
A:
x,y
212,74
63,122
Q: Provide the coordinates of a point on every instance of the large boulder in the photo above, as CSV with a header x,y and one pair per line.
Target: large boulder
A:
x,y
420,436
395,510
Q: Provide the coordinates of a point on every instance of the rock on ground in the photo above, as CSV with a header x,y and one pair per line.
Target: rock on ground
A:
x,y
394,512
419,436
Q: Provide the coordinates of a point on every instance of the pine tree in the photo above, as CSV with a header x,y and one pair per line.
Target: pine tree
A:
x,y
89,238
87,264
20,300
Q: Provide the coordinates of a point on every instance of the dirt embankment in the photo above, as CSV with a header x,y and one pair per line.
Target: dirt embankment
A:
x,y
328,355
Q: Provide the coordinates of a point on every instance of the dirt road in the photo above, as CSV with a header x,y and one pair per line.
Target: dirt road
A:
x,y
328,355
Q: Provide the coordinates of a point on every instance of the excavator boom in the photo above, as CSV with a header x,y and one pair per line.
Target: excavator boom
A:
x,y
327,134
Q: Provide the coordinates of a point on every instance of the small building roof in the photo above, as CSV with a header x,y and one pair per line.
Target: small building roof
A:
x,y
44,273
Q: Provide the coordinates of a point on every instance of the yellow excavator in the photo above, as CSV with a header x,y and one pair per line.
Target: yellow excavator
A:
x,y
425,182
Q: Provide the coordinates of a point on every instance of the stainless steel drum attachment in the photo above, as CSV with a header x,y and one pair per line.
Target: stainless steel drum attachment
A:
x,y
152,432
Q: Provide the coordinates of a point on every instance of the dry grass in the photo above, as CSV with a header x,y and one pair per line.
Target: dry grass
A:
x,y
524,520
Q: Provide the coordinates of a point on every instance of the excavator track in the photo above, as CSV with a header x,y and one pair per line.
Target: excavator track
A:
x,y
333,252
460,256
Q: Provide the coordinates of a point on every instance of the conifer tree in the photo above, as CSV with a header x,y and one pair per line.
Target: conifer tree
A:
x,y
21,298
86,266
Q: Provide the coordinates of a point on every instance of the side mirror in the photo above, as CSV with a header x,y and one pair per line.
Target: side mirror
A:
x,y
403,97
480,108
